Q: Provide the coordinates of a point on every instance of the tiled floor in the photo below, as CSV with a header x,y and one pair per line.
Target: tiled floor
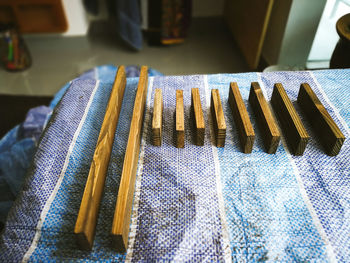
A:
x,y
56,60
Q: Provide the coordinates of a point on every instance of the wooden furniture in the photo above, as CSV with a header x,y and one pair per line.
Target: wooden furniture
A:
x,y
157,118
292,127
197,117
179,120
218,118
267,124
341,54
122,214
89,207
324,126
241,118
34,16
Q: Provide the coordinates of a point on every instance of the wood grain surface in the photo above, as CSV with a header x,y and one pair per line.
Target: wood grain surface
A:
x,y
180,120
157,118
241,118
87,217
122,214
218,118
323,125
197,117
267,124
292,127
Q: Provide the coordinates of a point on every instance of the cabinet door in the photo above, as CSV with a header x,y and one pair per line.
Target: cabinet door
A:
x,y
248,21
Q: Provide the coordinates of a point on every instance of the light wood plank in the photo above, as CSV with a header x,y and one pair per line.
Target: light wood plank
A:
x,y
197,116
180,120
87,217
157,118
122,214
241,118
218,118
324,126
292,127
267,124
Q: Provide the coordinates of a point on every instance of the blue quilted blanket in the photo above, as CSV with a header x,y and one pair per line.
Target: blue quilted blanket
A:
x,y
196,204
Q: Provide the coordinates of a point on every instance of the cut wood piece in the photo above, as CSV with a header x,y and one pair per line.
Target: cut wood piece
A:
x,y
324,126
157,118
292,127
266,122
122,214
87,217
197,115
218,118
180,120
241,118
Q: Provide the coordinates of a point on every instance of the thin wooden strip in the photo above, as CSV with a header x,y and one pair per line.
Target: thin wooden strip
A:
x,y
267,124
87,217
122,214
218,118
157,118
198,119
292,127
180,120
324,126
241,118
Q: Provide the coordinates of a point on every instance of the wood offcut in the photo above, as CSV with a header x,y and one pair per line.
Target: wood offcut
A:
x,y
266,122
122,214
324,126
87,217
218,118
179,120
197,117
241,118
292,127
157,118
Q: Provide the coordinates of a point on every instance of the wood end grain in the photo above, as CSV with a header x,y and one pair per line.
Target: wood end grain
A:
x,y
157,118
180,120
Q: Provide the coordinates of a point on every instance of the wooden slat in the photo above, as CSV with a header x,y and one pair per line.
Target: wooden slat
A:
x,y
218,118
324,126
122,214
241,118
180,120
88,212
292,127
267,124
157,118
197,115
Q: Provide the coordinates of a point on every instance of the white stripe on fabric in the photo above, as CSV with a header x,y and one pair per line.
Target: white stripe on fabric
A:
x,y
59,181
134,214
336,112
225,233
312,211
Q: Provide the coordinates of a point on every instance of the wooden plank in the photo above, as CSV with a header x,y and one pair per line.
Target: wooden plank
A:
x,y
324,126
241,118
266,122
292,127
197,116
248,21
180,120
87,217
122,214
157,118
218,118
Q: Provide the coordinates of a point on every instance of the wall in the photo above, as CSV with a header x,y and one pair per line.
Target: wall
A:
x,y
205,8
78,23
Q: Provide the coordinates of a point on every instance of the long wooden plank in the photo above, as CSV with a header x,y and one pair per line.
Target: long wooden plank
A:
x,y
292,127
157,118
180,120
87,217
266,122
122,214
218,118
197,115
241,118
324,126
